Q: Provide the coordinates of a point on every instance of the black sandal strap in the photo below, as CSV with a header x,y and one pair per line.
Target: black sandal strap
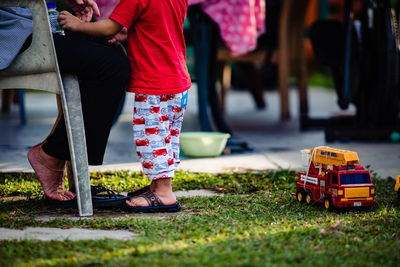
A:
x,y
139,191
96,190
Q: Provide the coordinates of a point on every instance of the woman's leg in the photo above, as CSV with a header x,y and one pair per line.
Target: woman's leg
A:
x,y
103,73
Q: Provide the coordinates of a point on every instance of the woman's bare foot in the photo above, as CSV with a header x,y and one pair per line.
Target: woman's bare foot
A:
x,y
50,172
162,188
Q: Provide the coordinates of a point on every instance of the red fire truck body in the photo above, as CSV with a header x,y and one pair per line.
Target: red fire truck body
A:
x,y
335,186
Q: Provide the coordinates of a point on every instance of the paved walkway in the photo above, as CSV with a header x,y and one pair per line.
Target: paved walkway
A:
x,y
71,234
275,144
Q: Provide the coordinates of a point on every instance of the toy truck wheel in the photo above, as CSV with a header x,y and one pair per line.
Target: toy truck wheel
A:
x,y
328,204
309,198
300,196
398,194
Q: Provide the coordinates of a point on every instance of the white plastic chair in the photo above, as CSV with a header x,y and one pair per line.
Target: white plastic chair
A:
x,y
37,68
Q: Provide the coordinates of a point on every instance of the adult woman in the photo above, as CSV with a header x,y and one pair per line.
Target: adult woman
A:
x,y
103,72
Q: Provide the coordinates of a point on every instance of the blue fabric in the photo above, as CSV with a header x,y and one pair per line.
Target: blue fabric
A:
x,y
184,100
15,28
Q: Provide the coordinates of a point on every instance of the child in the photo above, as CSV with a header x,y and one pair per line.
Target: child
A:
x,y
159,79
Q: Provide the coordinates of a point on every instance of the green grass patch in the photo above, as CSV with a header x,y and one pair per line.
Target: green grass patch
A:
x,y
27,185
256,223
321,79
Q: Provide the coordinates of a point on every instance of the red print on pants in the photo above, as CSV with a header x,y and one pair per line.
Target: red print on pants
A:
x,y
148,165
154,109
159,152
154,130
144,142
175,132
139,121
141,98
164,118
176,109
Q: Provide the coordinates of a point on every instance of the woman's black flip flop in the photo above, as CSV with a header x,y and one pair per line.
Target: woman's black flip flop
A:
x,y
101,198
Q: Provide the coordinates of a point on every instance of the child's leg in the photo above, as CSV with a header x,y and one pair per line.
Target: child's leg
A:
x,y
176,124
156,127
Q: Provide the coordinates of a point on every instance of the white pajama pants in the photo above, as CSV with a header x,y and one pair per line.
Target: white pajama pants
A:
x,y
157,122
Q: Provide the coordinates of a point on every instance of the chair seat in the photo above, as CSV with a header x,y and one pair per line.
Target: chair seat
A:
x,y
256,56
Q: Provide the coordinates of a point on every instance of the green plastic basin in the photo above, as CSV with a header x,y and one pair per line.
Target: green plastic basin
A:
x,y
203,144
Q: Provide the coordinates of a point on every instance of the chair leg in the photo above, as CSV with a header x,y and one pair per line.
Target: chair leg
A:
x,y
300,61
22,112
225,82
5,101
201,35
71,101
283,59
254,84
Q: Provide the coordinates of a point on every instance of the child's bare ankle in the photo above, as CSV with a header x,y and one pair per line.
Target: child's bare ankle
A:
x,y
162,186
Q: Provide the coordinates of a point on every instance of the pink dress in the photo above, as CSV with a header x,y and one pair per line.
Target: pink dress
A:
x,y
240,22
106,7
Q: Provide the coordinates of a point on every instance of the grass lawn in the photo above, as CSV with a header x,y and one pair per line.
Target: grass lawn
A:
x,y
256,223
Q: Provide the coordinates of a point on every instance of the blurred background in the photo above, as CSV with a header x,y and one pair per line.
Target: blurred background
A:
x,y
278,75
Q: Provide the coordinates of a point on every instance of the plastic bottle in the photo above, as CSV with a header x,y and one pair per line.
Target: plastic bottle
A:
x,y
53,15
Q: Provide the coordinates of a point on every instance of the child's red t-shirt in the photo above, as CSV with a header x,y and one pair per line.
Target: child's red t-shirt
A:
x,y
156,46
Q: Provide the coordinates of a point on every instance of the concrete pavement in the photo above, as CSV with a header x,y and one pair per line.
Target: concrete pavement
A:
x,y
70,234
275,144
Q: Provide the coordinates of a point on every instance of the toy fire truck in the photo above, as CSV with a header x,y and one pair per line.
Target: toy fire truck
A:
x,y
335,179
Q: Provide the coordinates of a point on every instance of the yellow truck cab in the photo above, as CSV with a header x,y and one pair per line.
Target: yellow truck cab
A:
x,y
397,186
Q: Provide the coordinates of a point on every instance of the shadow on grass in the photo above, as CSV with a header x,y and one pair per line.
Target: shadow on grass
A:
x,y
281,241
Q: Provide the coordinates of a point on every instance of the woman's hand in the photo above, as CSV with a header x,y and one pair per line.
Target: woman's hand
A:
x,y
69,22
84,9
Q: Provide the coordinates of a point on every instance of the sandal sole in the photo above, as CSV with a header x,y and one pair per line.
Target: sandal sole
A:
x,y
171,208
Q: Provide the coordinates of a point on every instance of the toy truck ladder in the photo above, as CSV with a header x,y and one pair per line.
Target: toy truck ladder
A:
x,y
327,156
